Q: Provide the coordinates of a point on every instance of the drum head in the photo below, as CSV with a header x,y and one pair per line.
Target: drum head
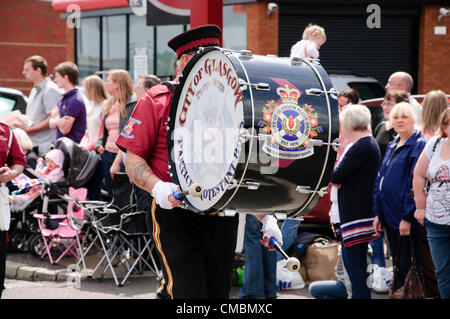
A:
x,y
205,122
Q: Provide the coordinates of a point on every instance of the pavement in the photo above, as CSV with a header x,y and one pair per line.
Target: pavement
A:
x,y
26,267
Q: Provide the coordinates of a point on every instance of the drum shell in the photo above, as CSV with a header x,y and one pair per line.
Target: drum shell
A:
x,y
277,192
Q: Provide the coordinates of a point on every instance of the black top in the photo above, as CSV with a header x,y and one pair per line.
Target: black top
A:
x,y
356,174
383,137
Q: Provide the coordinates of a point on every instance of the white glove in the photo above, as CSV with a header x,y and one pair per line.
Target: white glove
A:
x,y
161,192
270,228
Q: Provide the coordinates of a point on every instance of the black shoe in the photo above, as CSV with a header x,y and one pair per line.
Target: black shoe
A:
x,y
161,292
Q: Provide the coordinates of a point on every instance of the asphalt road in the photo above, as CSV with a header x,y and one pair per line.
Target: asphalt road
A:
x,y
136,288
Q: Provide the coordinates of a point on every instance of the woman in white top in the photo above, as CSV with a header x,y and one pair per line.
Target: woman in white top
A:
x,y
433,207
95,91
312,39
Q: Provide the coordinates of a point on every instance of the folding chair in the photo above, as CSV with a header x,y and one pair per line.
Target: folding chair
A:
x,y
66,237
134,237
125,240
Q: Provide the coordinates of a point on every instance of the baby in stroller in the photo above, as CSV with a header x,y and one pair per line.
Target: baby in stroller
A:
x,y
74,168
53,171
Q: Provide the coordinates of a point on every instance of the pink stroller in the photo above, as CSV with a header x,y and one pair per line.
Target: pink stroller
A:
x,y
79,166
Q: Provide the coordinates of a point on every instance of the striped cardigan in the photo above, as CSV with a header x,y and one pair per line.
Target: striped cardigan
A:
x,y
356,174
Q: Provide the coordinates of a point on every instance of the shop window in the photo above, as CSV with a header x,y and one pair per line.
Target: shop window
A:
x,y
234,33
114,46
88,46
164,55
141,41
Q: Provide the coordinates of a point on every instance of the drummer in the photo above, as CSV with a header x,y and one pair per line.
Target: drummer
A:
x,y
197,250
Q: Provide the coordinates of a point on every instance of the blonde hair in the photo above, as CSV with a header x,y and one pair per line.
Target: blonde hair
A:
x,y
122,78
23,139
403,108
313,31
94,88
434,103
355,117
443,123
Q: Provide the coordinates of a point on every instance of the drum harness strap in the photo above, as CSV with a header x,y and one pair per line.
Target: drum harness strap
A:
x,y
172,85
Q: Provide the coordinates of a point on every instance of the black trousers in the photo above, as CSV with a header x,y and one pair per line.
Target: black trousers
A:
x,y
422,254
197,252
3,249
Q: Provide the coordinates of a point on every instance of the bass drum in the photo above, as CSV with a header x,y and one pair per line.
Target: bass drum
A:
x,y
255,131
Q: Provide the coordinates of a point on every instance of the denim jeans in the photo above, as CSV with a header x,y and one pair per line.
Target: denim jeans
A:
x,y
289,232
107,159
95,184
328,289
439,241
378,251
260,271
355,262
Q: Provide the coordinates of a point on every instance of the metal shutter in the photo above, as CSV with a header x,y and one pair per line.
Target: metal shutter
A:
x,y
352,46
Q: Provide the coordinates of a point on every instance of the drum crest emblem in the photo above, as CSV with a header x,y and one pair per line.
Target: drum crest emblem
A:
x,y
290,125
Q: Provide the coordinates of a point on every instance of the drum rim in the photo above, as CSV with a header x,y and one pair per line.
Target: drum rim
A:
x,y
171,126
324,167
252,129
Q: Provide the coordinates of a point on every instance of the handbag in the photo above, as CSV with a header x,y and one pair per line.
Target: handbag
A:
x,y
412,288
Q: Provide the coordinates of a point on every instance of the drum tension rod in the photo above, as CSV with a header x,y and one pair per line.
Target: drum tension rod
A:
x,y
249,185
315,142
257,86
307,190
318,92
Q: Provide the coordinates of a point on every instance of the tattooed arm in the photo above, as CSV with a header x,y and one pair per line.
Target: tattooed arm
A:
x,y
142,176
139,172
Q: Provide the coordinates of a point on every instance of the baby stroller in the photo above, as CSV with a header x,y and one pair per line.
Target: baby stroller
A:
x,y
78,167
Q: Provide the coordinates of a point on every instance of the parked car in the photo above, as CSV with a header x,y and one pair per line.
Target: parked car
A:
x,y
11,100
367,87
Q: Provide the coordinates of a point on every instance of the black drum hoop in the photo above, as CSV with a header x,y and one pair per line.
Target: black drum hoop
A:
x,y
313,193
250,140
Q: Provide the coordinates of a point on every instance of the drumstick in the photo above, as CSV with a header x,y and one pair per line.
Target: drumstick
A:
x,y
292,263
194,190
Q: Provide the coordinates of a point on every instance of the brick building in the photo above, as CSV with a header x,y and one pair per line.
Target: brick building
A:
x,y
29,27
406,40
434,51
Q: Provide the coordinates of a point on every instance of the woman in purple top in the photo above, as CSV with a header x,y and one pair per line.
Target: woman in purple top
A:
x,y
70,117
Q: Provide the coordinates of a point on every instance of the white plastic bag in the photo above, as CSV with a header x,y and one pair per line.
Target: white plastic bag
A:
x,y
288,280
5,214
379,279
